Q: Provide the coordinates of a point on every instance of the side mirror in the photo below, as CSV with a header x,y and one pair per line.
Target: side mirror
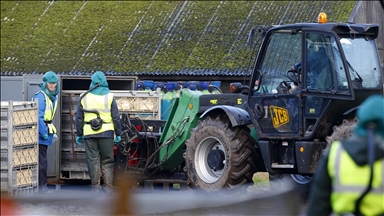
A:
x,y
235,87
238,88
245,90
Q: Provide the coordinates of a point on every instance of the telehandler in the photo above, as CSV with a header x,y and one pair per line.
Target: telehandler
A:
x,y
279,123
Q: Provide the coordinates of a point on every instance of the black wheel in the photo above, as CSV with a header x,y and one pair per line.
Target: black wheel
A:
x,y
301,183
219,156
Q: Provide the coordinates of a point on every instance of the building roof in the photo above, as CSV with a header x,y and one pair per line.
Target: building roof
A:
x,y
200,38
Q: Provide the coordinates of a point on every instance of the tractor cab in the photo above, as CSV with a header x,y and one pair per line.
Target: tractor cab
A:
x,y
307,78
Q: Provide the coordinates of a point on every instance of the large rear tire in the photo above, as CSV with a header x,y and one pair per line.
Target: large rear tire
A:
x,y
219,156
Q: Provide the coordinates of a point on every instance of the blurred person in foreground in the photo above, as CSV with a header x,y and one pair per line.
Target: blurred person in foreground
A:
x,y
97,123
349,178
47,105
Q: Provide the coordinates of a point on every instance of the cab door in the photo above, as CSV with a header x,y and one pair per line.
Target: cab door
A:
x,y
326,84
325,71
274,99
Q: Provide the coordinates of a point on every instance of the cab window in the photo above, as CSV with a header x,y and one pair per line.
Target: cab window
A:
x,y
283,51
363,60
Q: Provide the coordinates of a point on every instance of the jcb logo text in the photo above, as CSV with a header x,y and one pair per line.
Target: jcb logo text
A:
x,y
279,116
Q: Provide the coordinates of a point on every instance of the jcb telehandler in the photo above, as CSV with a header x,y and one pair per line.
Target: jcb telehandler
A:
x,y
279,123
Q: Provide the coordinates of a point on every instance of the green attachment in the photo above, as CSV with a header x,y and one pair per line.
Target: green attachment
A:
x,y
183,117
254,134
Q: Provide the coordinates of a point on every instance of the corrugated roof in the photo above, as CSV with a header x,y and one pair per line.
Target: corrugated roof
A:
x,y
143,37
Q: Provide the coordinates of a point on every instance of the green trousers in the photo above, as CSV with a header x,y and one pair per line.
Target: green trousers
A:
x,y
100,161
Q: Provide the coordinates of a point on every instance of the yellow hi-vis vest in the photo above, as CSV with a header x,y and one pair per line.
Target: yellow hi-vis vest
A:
x,y
49,113
101,104
349,181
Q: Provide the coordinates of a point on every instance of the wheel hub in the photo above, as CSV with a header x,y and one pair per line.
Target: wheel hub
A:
x,y
208,167
216,159
301,179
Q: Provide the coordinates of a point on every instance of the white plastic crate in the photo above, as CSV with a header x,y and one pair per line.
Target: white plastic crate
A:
x,y
17,137
24,177
24,117
25,136
139,103
21,157
25,156
21,113
20,181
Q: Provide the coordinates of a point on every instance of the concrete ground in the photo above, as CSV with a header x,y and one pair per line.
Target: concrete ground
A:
x,y
80,200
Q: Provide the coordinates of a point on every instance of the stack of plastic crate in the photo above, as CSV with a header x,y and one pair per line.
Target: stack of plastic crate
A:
x,y
143,104
19,147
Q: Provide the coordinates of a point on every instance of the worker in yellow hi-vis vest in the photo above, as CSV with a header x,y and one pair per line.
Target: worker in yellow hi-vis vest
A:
x,y
47,104
350,177
97,123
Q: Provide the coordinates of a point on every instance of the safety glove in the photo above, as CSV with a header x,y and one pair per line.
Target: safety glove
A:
x,y
45,136
117,139
79,140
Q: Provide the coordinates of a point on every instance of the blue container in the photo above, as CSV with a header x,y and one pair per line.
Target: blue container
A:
x,y
204,88
182,85
167,100
149,85
216,88
139,86
160,85
171,86
193,85
185,85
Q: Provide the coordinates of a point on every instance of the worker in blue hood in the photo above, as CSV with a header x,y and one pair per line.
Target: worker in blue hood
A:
x,y
98,126
47,105
371,112
98,78
349,178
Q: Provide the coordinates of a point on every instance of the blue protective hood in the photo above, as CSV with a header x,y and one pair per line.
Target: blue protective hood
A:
x,y
51,77
99,78
371,111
